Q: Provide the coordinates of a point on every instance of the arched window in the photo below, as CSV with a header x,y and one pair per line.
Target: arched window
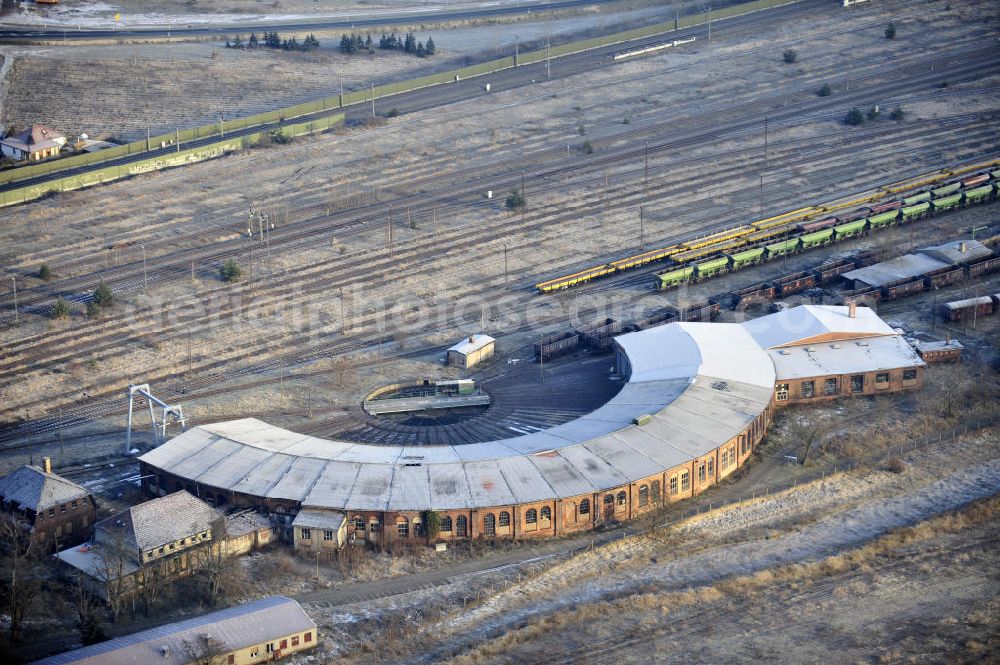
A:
x,y
585,507
490,524
546,514
655,487
462,526
418,527
505,518
359,523
643,495
531,517
446,524
374,526
402,527
622,498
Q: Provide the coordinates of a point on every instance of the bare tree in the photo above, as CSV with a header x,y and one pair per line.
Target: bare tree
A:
x,y
88,613
222,572
205,650
155,578
20,584
113,559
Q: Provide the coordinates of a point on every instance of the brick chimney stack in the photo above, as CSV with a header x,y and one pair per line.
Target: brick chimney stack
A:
x,y
852,310
48,464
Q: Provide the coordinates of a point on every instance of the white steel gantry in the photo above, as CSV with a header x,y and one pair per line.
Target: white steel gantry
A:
x,y
168,411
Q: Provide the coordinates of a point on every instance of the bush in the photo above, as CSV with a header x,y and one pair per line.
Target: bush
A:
x,y
93,309
854,117
60,310
896,465
825,91
103,296
790,55
874,113
44,272
432,522
890,30
898,114
587,148
230,271
278,136
515,200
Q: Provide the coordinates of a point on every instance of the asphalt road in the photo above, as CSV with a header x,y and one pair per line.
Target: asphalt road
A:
x,y
442,95
357,21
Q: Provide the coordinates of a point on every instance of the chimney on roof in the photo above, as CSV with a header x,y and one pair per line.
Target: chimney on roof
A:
x,y
852,310
961,247
47,461
472,339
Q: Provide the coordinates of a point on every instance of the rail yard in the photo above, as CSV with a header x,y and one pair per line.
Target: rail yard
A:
x,y
636,232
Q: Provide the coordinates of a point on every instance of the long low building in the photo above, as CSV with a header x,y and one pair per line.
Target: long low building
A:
x,y
697,399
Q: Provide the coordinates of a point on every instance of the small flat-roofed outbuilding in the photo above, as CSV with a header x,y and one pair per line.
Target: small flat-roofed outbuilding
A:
x,y
944,351
319,529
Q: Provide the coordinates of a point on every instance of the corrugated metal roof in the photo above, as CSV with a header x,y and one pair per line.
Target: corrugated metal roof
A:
x,y
472,343
318,518
901,267
958,251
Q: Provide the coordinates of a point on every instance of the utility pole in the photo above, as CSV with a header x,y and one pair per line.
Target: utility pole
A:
x,y
710,23
148,147
222,126
145,278
760,203
548,61
642,236
765,141
541,357
524,200
645,169
373,100
505,263
13,280
390,230
177,139
517,47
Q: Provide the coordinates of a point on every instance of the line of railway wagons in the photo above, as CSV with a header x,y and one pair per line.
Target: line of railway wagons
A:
x,y
977,189
767,238
926,282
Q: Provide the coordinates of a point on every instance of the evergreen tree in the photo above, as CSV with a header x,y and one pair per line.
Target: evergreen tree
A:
x,y
431,48
410,45
60,310
368,41
237,42
228,45
103,296
421,51
44,272
253,40
345,43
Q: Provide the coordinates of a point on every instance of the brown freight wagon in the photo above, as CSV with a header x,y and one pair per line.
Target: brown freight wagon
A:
x,y
752,294
886,207
798,281
970,308
556,345
668,315
943,277
591,334
984,267
701,311
902,289
868,258
828,272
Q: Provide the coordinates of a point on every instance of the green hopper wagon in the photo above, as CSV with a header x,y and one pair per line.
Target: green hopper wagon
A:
x,y
977,194
946,190
666,280
712,267
783,247
883,218
747,257
850,229
912,212
916,198
947,202
817,238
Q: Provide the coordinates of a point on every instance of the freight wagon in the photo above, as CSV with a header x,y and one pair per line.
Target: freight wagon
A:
x,y
556,345
797,281
902,288
786,234
970,308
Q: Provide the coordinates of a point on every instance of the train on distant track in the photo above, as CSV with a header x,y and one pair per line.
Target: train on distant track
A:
x,y
768,239
971,308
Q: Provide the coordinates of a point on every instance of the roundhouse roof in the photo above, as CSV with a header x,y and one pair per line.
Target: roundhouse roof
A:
x,y
701,383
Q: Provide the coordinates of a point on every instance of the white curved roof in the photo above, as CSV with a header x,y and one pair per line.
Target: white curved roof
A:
x,y
800,325
701,383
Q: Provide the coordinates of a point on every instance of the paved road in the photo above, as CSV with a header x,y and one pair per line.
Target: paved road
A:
x,y
317,24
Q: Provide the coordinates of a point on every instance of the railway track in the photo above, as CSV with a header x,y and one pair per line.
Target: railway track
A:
x,y
91,411
505,175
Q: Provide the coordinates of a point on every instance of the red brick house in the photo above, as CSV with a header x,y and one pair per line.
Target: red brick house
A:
x,y
59,511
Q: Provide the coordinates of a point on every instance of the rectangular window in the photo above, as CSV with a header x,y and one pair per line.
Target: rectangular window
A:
x,y
857,383
308,637
673,484
328,535
232,659
882,377
685,481
807,388
255,652
306,534
295,640
831,387
74,505
782,392
270,647
909,374
62,508
711,467
701,472
52,512
724,459
284,644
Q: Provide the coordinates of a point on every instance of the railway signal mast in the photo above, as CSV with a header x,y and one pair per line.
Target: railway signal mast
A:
x,y
168,411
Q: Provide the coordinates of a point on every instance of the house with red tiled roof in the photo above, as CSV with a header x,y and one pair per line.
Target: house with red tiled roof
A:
x,y
34,144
